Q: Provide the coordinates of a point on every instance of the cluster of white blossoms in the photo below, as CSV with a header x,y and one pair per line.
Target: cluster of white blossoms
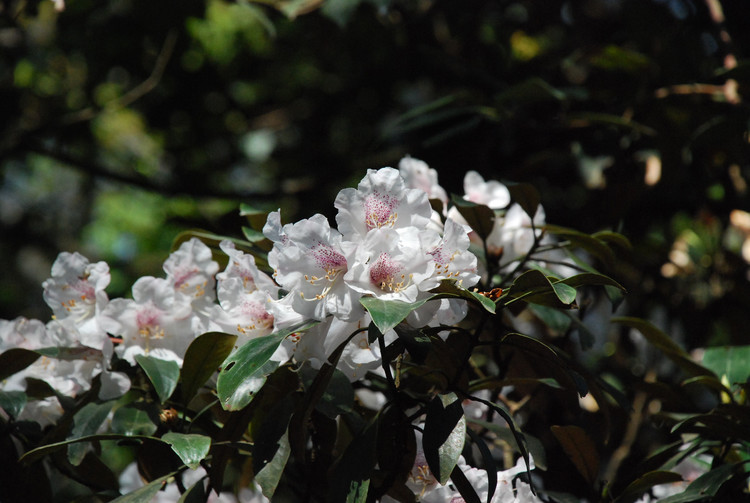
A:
x,y
389,244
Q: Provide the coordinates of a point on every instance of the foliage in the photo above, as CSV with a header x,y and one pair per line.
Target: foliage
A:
x,y
623,378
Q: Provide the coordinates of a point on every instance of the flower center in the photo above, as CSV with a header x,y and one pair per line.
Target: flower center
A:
x,y
384,273
333,264
380,210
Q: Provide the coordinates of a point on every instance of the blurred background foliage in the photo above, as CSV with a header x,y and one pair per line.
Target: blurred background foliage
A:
x,y
126,122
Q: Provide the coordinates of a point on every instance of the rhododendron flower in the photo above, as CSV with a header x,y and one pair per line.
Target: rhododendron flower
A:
x,y
452,257
381,201
418,175
392,265
76,292
513,234
310,260
191,270
157,321
492,193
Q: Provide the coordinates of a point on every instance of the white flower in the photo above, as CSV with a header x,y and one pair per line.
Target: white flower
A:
x,y
381,201
418,175
310,260
76,292
392,265
157,321
513,234
452,257
191,269
492,193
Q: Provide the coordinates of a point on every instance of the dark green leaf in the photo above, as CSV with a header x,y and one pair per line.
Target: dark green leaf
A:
x,y
351,475
338,397
638,487
444,435
194,494
38,453
531,90
580,449
146,493
526,196
15,360
12,402
163,374
536,288
138,418
86,422
705,486
664,343
202,358
191,448
480,218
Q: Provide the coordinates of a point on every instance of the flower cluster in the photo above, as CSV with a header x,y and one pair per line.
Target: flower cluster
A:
x,y
389,245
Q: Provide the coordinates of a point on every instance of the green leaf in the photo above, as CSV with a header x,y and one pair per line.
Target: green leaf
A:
x,y
12,402
591,279
531,90
580,449
638,487
592,245
86,422
163,374
665,344
138,418
15,360
351,475
268,478
202,358
705,486
195,494
191,448
730,361
480,218
526,196
536,288
386,314
245,371
449,289
338,397
444,435
38,453
146,493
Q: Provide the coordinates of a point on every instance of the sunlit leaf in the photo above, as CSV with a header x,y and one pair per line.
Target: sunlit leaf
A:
x,y
191,448
163,374
245,371
444,435
581,450
202,358
268,478
730,361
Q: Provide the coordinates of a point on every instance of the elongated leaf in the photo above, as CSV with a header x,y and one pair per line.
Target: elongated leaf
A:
x,y
465,488
245,371
163,374
444,435
665,344
86,422
191,448
12,402
705,486
638,487
580,449
536,288
202,358
194,494
448,289
591,279
351,475
146,493
268,478
488,462
15,360
38,453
